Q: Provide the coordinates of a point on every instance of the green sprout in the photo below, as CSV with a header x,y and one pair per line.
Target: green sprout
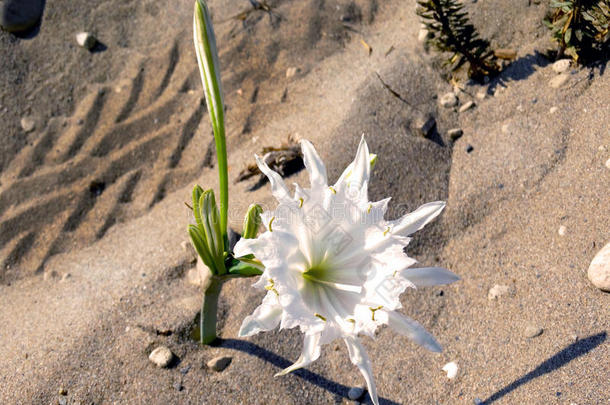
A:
x,y
580,28
209,233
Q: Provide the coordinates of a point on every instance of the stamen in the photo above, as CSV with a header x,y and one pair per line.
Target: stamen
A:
x,y
271,287
368,210
386,231
271,221
320,316
373,310
301,202
332,190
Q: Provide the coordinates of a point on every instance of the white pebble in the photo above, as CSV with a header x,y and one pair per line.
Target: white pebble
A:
x,y
561,65
291,71
28,124
86,40
562,230
161,356
451,369
497,291
608,163
599,269
466,106
553,110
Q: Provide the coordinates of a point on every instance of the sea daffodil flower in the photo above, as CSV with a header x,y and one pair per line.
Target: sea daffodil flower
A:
x,y
333,266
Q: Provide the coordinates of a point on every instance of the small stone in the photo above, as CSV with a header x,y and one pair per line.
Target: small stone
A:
x,y
451,369
561,66
424,125
497,291
448,100
177,386
62,401
65,276
355,393
506,54
86,40
481,95
505,128
455,133
422,35
20,15
599,269
291,71
558,81
161,356
63,391
28,124
187,247
469,148
466,106
185,370
608,163
532,331
219,363
562,230
553,110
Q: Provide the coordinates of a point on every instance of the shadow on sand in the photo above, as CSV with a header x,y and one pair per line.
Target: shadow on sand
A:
x,y
560,359
339,390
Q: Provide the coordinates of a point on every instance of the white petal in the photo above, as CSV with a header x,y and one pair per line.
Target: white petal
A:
x,y
358,356
266,317
429,276
413,330
311,352
362,166
278,187
417,219
314,165
245,247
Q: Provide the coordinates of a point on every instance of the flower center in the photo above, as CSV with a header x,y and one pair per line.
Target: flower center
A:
x,y
322,275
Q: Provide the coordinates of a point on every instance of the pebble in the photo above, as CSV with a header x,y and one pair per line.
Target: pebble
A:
x,y
86,40
562,230
553,110
481,95
187,247
355,393
20,15
561,66
291,71
424,125
177,386
219,363
466,106
532,331
559,80
451,369
28,124
455,133
506,54
497,291
599,270
608,163
448,100
161,356
422,35
469,148
65,276
62,401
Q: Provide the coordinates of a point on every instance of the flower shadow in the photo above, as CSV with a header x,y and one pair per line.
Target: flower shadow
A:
x,y
560,359
339,390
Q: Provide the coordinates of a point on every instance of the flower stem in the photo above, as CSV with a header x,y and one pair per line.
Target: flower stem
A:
x,y
209,308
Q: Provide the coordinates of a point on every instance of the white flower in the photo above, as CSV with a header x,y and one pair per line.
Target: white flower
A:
x,y
334,266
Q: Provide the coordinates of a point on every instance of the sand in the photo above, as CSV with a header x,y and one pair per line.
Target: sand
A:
x,y
92,210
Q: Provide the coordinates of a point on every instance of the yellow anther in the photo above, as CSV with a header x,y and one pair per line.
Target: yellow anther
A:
x,y
271,287
352,320
373,310
270,222
300,202
384,232
320,316
332,190
368,210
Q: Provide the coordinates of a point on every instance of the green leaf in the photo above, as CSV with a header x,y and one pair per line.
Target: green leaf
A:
x,y
568,35
197,191
244,269
201,247
211,228
252,221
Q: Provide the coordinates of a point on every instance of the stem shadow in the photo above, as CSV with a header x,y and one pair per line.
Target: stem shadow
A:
x,y
280,362
560,359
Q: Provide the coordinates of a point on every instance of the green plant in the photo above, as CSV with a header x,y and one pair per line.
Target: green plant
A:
x,y
449,30
580,28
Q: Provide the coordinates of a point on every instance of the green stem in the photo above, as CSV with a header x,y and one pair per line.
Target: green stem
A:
x,y
209,309
223,177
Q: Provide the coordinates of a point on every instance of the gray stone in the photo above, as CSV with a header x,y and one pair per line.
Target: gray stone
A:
x,y
424,125
455,133
161,356
20,15
28,124
561,66
219,363
86,40
497,291
466,106
599,269
558,81
531,331
355,393
62,401
448,100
